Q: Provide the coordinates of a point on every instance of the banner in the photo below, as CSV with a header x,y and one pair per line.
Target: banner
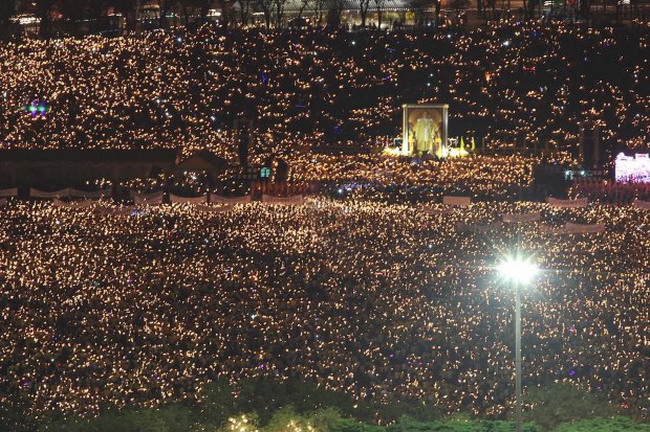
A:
x,y
211,209
637,203
150,198
290,200
73,204
550,229
456,200
8,193
76,193
230,200
576,203
522,217
35,193
573,228
193,200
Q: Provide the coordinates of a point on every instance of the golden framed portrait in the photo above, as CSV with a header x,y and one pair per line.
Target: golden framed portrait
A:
x,y
424,129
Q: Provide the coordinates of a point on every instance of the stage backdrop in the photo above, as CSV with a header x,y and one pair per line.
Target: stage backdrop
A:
x,y
424,129
632,169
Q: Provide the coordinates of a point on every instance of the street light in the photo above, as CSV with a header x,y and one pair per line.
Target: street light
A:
x,y
519,272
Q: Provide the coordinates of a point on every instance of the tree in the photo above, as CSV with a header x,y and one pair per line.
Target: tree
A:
x,y
77,11
218,402
303,5
205,8
14,414
334,12
561,403
614,424
164,6
458,5
244,11
7,9
44,10
529,8
319,8
189,7
379,7
417,6
186,7
279,11
363,11
227,11
267,10
128,8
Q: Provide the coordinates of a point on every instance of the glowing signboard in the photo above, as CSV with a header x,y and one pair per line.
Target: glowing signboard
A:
x,y
632,169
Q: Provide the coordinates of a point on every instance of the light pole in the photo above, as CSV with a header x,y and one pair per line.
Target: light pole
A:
x,y
519,272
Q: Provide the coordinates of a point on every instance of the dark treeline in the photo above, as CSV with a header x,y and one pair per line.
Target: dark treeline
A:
x,y
56,18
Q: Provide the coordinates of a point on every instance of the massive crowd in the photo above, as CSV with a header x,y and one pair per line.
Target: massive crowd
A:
x,y
101,306
479,176
510,83
608,191
113,305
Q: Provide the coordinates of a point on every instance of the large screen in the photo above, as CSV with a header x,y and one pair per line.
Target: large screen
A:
x,y
425,129
632,169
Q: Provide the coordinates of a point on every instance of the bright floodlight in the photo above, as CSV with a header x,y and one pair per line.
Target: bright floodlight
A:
x,y
518,270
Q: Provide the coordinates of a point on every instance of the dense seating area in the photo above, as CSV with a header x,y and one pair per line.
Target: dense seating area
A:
x,y
339,270
511,83
381,301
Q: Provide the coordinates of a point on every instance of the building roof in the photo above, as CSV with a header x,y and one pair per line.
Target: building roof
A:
x,y
203,161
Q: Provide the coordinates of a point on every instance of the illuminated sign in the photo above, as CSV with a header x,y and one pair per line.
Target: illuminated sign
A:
x,y
632,169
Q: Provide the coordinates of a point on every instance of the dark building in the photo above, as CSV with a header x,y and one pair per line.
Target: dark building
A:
x,y
54,169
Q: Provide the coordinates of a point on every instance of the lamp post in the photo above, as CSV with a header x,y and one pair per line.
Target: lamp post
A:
x,y
519,272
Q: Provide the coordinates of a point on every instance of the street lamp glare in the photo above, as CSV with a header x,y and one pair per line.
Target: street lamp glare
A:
x,y
518,271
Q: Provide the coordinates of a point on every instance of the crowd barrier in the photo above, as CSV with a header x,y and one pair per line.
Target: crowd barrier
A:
x,y
641,204
456,200
8,193
290,200
214,198
72,204
147,198
573,228
614,193
193,200
280,189
36,193
567,203
76,193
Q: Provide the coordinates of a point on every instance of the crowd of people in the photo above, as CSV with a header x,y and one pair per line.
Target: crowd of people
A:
x,y
110,305
510,83
382,301
607,191
479,176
